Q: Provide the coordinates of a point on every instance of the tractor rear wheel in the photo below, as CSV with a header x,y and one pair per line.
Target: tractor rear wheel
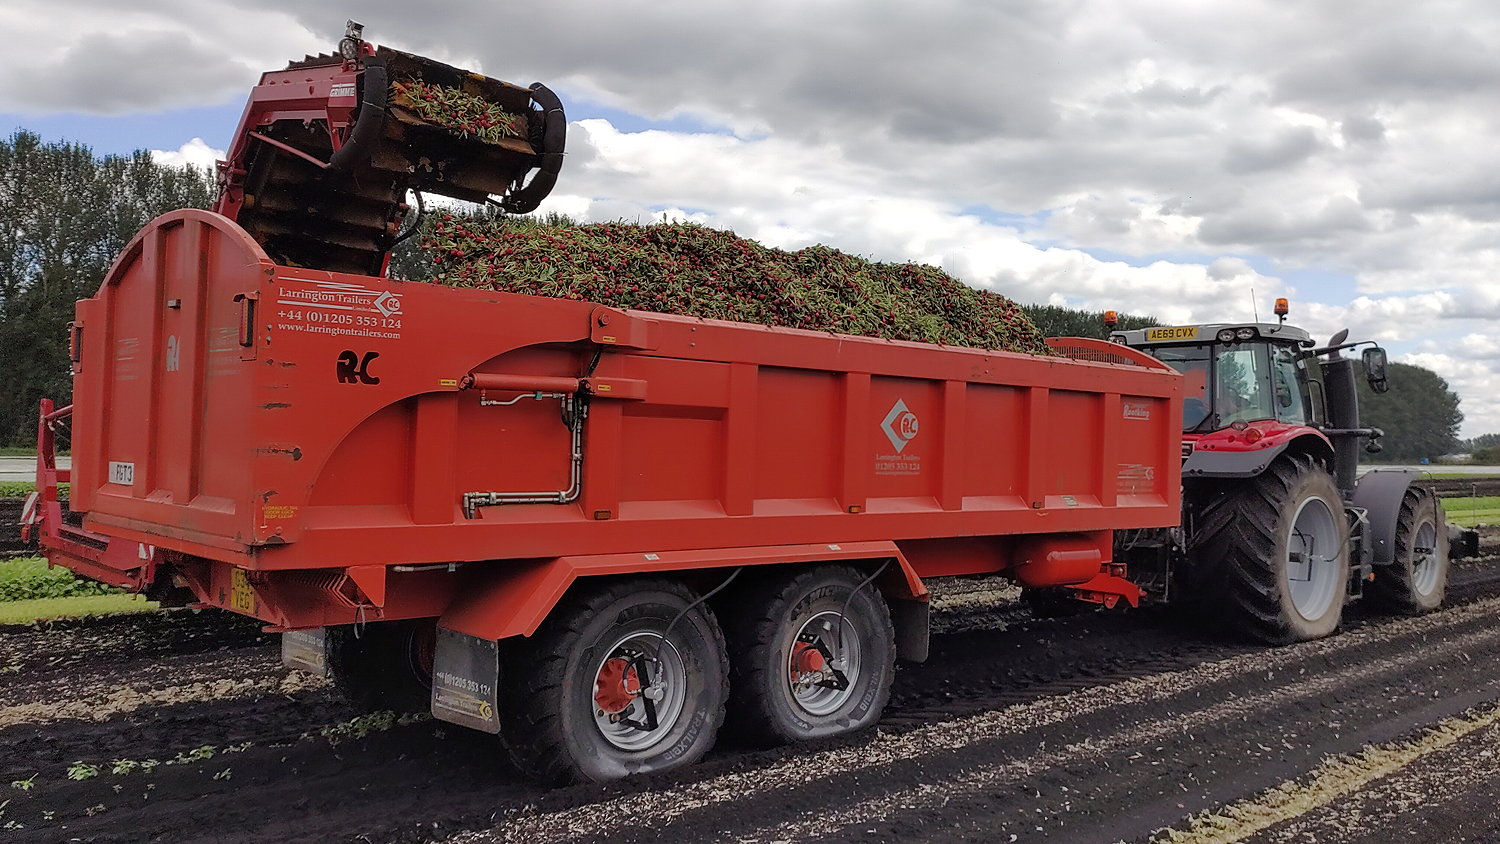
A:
x,y
812,655
623,678
1273,553
1417,578
385,665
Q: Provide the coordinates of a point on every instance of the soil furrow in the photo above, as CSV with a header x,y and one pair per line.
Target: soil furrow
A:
x,y
760,792
1002,688
1371,791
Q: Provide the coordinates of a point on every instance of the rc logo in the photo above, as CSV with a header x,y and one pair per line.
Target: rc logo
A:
x,y
388,303
900,425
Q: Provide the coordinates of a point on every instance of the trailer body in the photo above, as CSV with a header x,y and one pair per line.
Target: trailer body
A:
x,y
309,446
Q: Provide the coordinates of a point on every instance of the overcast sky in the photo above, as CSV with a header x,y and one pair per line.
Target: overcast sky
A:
x,y
1188,160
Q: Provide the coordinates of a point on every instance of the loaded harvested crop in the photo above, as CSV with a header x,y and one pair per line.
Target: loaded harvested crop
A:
x,y
458,111
681,268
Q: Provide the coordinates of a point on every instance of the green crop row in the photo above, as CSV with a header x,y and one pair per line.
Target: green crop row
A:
x,y
42,609
29,578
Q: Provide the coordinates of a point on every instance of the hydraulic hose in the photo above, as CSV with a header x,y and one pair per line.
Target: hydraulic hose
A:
x,y
367,127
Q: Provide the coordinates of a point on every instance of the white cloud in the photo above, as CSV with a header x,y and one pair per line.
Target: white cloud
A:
x,y
195,152
104,58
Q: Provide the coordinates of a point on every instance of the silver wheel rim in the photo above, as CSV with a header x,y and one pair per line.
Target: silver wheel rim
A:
x,y
1314,576
666,692
1426,567
823,663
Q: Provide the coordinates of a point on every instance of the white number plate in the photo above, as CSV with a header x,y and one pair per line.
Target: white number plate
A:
x,y
122,473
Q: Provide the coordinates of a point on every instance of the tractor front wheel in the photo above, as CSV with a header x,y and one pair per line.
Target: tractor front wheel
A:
x,y
1416,579
1273,553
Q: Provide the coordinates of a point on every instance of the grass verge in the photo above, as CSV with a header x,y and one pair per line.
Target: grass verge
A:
x,y
1469,512
42,609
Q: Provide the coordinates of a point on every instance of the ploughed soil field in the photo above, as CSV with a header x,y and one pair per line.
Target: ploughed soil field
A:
x,y
1102,727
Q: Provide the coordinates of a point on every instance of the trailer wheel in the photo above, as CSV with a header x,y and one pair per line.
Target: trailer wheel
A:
x,y
810,657
1273,554
1416,580
598,693
386,665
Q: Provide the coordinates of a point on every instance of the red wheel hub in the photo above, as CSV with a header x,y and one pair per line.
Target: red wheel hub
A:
x,y
616,686
806,659
424,649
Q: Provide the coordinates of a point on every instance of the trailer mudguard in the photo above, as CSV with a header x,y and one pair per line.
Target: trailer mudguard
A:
x,y
1380,493
517,601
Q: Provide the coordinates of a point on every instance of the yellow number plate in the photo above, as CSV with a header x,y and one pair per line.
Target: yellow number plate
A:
x,y
241,595
1180,332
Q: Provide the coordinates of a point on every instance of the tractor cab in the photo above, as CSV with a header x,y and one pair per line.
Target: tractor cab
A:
x,y
1236,373
1255,390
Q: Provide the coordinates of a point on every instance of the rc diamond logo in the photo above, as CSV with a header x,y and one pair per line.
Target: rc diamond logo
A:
x,y
900,425
388,303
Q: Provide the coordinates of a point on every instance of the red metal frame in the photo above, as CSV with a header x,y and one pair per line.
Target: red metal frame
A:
x,y
301,94
126,564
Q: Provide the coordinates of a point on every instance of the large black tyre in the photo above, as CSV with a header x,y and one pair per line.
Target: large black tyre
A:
x,y
1271,554
810,657
1417,579
385,665
603,647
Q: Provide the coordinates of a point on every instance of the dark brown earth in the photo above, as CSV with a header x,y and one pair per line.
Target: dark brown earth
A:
x,y
1102,727
10,528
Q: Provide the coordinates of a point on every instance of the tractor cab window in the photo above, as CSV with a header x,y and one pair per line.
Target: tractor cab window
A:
x,y
1242,385
1291,404
1193,362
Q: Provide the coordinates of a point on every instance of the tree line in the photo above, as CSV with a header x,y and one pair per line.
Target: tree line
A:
x,y
65,213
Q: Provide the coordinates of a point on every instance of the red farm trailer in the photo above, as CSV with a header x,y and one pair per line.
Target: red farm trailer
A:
x,y
522,503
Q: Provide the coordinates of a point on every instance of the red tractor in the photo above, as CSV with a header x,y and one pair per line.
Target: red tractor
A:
x,y
1278,532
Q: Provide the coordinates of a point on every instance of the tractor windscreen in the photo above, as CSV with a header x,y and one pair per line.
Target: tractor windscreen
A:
x,y
1234,383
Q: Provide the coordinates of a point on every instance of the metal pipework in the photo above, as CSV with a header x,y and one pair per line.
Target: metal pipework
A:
x,y
575,410
486,402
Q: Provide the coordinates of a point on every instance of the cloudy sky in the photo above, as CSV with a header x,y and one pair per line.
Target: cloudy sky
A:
x,y
1188,160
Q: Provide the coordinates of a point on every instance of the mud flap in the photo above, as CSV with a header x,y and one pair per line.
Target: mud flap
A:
x,y
911,620
306,650
466,681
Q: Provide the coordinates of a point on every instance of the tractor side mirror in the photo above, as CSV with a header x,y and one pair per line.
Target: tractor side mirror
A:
x,y
1374,362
